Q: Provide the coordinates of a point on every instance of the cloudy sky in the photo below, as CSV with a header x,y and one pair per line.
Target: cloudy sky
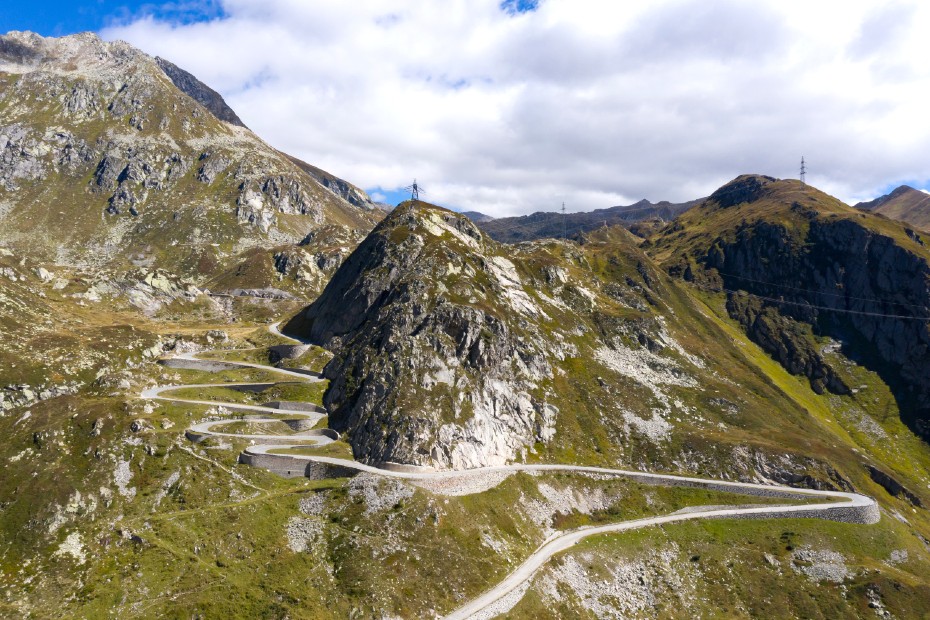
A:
x,y
513,107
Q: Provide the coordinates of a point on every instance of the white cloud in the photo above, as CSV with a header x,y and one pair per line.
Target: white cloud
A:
x,y
591,102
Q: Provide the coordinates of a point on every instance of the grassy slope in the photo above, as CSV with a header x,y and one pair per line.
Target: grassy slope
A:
x,y
840,420
190,229
912,207
695,229
745,569
300,391
214,543
196,538
777,412
630,295
731,575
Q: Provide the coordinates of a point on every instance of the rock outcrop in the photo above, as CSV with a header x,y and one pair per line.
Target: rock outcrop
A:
x,y
454,351
422,375
200,92
808,259
138,156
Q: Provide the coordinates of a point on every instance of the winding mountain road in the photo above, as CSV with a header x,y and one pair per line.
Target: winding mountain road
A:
x,y
846,507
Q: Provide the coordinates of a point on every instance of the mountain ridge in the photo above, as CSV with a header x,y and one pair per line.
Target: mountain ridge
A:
x,y
854,276
904,204
768,335
149,177
552,224
200,92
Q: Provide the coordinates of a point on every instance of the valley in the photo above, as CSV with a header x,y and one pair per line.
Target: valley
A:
x,y
285,458
174,489
231,385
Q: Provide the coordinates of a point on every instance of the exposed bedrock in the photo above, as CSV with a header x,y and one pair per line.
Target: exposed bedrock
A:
x,y
848,282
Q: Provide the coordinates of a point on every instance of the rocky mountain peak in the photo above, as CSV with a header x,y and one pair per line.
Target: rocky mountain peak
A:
x,y
360,289
83,53
423,306
814,265
904,204
122,144
448,345
902,189
13,50
744,188
200,92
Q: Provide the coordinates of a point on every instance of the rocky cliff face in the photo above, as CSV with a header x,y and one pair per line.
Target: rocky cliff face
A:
x,y
454,351
808,260
200,92
339,187
424,374
145,164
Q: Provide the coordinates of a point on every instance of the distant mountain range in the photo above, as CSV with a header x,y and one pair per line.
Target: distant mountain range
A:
x,y
905,204
551,224
477,216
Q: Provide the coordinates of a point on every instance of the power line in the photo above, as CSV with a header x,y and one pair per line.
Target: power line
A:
x,y
806,290
811,306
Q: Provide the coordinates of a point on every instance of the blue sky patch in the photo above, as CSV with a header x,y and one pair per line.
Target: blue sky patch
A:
x,y
396,196
60,17
515,7
392,197
890,187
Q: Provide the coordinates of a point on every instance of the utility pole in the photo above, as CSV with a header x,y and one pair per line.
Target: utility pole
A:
x,y
564,223
415,190
803,171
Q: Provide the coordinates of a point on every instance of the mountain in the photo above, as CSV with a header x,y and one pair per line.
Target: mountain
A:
x,y
117,162
450,350
454,351
553,225
127,185
477,217
904,204
740,342
770,334
816,271
200,92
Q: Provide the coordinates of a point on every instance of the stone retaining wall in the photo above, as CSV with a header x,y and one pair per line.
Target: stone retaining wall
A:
x,y
290,467
280,352
844,513
293,405
203,365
